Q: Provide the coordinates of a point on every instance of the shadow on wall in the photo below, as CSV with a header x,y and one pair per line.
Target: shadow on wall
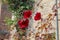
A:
x,y
4,28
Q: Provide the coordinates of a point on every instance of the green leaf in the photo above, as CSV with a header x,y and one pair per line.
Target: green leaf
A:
x,y
8,21
18,4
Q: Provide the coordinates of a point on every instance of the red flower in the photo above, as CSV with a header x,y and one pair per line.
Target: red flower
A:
x,y
37,16
27,13
23,23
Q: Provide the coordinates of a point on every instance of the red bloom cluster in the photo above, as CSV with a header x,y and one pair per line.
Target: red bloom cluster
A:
x,y
37,16
23,23
27,14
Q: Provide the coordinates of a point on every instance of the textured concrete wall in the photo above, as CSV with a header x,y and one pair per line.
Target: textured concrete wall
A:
x,y
59,18
3,13
0,9
59,21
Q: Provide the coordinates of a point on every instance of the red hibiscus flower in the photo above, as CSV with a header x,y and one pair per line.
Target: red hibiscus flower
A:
x,y
27,13
23,23
37,16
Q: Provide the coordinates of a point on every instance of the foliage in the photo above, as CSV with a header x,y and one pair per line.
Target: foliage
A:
x,y
20,5
17,7
8,21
